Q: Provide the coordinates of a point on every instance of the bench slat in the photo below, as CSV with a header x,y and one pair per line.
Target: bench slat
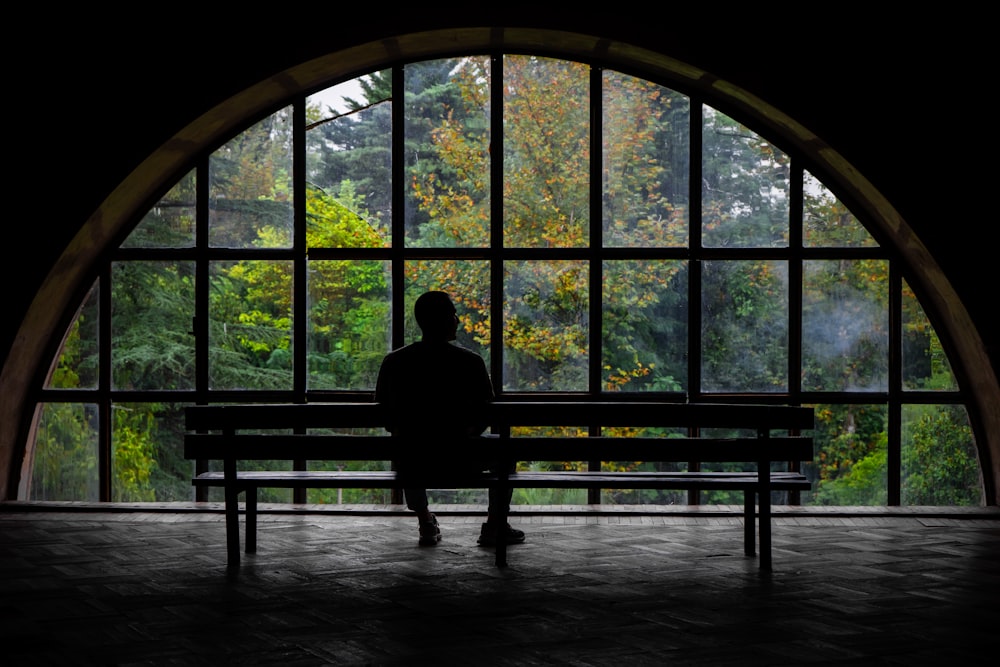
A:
x,y
510,413
386,448
780,481
636,413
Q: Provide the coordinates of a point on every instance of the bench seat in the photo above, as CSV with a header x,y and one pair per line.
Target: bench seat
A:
x,y
559,479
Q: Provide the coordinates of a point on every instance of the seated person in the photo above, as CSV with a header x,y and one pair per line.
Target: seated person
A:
x,y
438,392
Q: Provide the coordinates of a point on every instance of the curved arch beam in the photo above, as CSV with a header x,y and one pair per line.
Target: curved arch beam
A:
x,y
79,258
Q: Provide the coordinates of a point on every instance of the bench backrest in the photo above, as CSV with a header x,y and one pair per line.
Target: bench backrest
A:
x,y
507,414
782,421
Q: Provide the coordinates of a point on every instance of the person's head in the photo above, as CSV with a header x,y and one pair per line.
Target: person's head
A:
x,y
436,316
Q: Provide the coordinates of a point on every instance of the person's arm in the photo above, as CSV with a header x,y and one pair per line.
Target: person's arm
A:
x,y
482,391
384,392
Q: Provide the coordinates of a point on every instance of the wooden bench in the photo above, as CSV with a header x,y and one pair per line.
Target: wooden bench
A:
x,y
767,434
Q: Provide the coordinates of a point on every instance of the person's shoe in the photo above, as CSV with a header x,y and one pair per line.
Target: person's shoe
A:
x,y
430,533
490,535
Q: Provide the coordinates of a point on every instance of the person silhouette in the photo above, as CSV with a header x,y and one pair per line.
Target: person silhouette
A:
x,y
436,391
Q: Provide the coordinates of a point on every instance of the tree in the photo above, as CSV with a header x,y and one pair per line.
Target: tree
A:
x,y
356,146
939,465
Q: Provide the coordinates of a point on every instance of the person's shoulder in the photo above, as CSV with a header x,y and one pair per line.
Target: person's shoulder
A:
x,y
401,351
399,356
463,351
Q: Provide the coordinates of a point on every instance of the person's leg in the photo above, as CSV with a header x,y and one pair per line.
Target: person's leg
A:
x,y
499,504
496,526
416,501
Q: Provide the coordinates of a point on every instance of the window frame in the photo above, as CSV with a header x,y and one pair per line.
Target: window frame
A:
x,y
795,254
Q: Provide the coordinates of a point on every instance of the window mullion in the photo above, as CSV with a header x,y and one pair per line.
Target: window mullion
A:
x,y
596,272
104,429
894,417
397,234
694,245
300,288
201,313
496,221
795,270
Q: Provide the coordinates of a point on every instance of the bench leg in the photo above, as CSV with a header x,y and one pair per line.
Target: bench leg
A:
x,y
764,500
501,546
765,535
251,519
233,524
749,523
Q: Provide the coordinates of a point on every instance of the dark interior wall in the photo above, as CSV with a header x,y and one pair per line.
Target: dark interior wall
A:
x,y
903,100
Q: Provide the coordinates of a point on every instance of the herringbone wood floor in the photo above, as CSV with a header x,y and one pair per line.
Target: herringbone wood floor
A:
x,y
152,588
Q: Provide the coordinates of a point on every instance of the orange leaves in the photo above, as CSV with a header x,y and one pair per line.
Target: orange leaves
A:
x,y
544,343
615,379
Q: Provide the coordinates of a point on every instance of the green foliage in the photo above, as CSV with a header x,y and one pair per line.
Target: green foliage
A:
x,y
349,496
646,137
133,455
938,459
826,221
171,222
77,364
644,327
448,158
153,307
850,465
356,147
65,454
862,484
549,497
845,325
744,329
744,186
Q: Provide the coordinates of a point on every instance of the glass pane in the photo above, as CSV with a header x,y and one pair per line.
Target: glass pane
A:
x,y
448,153
76,364
849,467
250,325
264,494
643,496
171,221
65,462
826,222
940,465
549,496
250,187
744,186
744,334
845,325
350,496
546,197
646,163
468,284
546,326
152,311
147,453
349,164
349,322
925,364
645,327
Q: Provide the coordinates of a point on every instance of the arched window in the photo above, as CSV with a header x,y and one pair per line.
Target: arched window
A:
x,y
600,233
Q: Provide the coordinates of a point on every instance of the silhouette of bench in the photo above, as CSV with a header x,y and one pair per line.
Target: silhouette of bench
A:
x,y
769,436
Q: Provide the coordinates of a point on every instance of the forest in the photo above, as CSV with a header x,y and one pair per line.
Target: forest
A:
x,y
518,218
